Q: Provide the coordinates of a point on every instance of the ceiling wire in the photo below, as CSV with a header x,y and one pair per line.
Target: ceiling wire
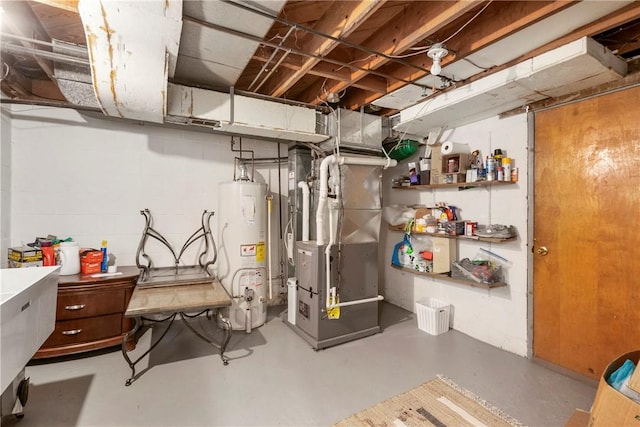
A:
x,y
424,49
467,23
269,14
294,51
266,64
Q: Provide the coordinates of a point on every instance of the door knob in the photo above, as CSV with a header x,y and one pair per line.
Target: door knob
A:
x,y
542,250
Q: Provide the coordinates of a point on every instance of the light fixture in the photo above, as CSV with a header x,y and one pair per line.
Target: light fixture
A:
x,y
333,98
437,52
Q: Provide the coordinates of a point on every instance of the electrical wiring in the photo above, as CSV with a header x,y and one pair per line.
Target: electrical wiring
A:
x,y
467,23
475,65
424,49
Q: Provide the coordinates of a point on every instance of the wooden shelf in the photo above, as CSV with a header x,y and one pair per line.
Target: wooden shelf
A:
x,y
460,185
459,237
445,277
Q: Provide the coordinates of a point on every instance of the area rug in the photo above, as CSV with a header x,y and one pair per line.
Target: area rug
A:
x,y
439,402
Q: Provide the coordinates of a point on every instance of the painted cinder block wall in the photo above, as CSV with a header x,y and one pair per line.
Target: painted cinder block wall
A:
x,y
85,177
497,316
78,176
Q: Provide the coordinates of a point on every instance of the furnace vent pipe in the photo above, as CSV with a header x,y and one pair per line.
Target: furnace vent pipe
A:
x,y
305,210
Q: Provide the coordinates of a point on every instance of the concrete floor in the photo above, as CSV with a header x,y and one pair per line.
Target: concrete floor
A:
x,y
275,378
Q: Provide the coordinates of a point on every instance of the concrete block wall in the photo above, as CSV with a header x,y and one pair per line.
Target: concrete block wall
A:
x,y
79,176
497,316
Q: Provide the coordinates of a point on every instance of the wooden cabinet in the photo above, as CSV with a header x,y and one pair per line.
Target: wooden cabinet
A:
x,y
90,313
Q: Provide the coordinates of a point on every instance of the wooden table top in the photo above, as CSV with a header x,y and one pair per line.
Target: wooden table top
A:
x,y
177,298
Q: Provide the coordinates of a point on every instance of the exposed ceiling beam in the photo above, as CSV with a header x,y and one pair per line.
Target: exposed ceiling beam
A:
x,y
416,22
68,5
338,21
23,23
499,20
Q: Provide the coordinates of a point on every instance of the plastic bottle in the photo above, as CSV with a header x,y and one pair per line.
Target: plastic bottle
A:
x,y
105,258
48,256
500,174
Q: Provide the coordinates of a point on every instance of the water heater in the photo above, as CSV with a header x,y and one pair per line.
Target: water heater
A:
x,y
242,258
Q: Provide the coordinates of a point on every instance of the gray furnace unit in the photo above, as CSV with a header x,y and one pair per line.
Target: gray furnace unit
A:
x,y
354,271
353,262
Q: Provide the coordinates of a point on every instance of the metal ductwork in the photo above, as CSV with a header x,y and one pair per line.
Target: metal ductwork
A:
x,y
241,115
575,66
130,71
133,50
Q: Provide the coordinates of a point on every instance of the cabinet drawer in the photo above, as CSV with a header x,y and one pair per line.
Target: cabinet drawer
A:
x,y
83,330
91,303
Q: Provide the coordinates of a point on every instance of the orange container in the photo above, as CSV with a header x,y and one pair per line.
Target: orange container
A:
x,y
90,261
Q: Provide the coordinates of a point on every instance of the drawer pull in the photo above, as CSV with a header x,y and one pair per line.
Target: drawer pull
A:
x,y
72,332
75,307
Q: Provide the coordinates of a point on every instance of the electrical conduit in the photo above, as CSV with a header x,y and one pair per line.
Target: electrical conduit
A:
x,y
322,201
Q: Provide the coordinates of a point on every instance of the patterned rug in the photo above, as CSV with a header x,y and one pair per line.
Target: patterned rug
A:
x,y
439,402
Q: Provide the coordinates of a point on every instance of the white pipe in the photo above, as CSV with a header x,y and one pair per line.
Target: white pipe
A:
x,y
269,199
355,302
305,210
368,161
247,319
322,201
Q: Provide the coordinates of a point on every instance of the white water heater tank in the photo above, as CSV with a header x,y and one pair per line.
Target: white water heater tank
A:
x,y
242,257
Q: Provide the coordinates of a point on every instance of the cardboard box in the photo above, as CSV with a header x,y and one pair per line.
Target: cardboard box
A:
x,y
444,252
436,160
579,418
90,261
612,408
18,264
24,254
90,268
455,163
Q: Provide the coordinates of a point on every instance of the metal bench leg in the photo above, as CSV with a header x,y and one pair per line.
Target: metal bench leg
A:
x,y
228,329
132,365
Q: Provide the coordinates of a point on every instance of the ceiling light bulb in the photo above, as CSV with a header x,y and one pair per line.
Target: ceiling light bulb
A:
x,y
435,67
333,98
437,52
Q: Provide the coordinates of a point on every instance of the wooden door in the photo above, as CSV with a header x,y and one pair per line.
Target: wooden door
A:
x,y
587,215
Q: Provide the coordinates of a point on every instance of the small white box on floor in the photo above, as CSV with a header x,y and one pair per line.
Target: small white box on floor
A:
x,y
433,316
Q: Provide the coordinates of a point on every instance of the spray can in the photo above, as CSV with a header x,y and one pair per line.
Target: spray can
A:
x,y
506,166
491,168
105,259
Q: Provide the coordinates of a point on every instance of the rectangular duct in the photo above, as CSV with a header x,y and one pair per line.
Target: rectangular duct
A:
x,y
242,115
575,66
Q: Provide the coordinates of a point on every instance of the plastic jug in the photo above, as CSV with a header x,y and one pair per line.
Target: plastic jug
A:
x,y
69,258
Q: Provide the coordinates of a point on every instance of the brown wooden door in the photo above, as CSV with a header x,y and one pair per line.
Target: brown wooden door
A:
x,y
587,214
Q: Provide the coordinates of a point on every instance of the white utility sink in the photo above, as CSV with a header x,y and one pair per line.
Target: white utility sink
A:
x,y
27,313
